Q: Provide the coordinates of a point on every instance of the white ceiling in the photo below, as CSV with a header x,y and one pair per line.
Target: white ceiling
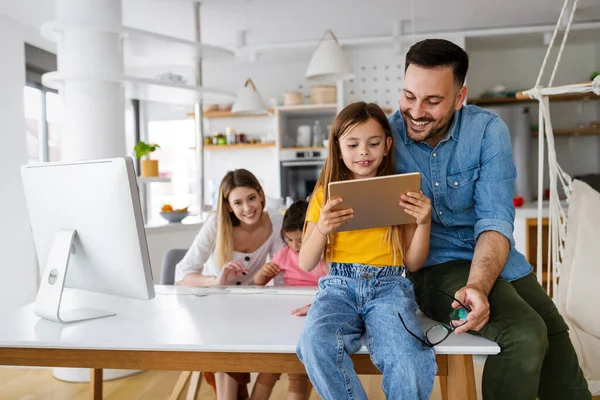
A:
x,y
268,21
271,21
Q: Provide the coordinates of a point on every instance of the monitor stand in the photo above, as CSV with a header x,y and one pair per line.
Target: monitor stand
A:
x,y
49,296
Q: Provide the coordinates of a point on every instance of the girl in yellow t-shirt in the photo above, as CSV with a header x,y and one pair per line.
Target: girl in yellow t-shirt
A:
x,y
365,290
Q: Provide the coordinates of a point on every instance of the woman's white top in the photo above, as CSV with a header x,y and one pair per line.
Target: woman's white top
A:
x,y
199,258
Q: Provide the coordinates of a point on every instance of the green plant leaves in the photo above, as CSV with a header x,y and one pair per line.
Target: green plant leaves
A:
x,y
143,149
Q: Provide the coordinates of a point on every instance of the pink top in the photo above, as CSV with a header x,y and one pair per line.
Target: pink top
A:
x,y
287,260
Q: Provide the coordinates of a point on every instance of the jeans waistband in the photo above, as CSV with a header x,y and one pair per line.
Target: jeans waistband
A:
x,y
360,270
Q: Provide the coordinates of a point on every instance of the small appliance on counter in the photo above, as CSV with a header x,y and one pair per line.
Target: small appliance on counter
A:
x,y
303,136
299,172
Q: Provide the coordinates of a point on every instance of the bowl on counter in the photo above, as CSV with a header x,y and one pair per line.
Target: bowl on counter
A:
x,y
174,216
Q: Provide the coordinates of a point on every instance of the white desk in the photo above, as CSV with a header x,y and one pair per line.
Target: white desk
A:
x,y
217,332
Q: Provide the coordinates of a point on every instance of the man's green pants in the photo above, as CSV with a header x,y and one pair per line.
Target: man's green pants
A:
x,y
537,357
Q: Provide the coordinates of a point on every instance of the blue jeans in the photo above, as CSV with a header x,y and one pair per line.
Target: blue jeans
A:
x,y
357,300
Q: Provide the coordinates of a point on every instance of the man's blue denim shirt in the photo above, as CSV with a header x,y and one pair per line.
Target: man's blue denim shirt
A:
x,y
469,177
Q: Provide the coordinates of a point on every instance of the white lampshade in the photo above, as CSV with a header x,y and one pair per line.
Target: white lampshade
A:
x,y
248,100
328,62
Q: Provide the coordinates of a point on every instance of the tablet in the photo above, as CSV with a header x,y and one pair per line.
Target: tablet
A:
x,y
375,200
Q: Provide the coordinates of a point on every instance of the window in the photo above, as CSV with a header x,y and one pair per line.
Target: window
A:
x,y
33,123
43,116
177,161
43,107
54,120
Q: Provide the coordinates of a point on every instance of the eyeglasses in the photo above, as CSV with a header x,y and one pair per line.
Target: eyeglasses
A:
x,y
440,331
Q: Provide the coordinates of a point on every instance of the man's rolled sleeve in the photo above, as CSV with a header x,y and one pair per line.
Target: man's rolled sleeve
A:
x,y
494,190
501,226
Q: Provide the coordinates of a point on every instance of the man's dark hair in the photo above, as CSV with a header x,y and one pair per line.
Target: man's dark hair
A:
x,y
436,53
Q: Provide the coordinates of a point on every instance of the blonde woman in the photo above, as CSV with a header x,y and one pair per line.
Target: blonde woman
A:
x,y
230,248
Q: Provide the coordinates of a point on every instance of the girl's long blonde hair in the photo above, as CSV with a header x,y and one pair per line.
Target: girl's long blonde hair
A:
x,y
226,220
335,170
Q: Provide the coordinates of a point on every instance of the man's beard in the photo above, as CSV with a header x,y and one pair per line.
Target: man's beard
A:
x,y
433,132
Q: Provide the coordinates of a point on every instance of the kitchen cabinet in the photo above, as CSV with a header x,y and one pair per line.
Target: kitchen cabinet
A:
x,y
300,165
531,225
525,235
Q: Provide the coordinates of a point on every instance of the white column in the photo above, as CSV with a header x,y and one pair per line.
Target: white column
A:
x,y
90,62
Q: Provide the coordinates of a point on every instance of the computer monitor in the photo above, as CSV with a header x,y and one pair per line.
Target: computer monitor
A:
x,y
88,232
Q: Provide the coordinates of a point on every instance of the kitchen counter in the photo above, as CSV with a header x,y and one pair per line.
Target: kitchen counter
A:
x,y
530,209
525,230
190,223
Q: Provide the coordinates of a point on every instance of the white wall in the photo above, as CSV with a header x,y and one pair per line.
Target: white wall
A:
x,y
517,69
379,73
161,239
18,262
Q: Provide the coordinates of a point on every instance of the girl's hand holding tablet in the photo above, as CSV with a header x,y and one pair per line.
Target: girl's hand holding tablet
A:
x,y
329,220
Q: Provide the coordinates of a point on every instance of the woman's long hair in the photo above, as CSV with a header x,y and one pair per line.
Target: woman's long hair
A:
x,y
226,219
335,170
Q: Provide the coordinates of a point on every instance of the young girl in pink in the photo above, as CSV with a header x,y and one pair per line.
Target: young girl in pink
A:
x,y
285,262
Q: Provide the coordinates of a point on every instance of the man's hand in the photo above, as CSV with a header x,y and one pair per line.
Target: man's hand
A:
x,y
302,311
480,308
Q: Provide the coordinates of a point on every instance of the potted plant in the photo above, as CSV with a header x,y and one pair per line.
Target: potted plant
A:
x,y
148,167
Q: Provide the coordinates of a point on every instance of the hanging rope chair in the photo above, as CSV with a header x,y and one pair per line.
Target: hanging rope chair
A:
x,y
574,239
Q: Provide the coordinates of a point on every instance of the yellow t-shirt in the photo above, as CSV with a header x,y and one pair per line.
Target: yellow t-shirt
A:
x,y
365,246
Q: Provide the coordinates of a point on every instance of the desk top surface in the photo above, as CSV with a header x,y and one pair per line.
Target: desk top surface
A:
x,y
178,320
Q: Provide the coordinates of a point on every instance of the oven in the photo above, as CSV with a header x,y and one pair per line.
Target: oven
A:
x,y
299,172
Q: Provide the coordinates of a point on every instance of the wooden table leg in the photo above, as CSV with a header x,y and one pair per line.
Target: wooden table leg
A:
x,y
461,377
183,378
444,387
194,388
96,383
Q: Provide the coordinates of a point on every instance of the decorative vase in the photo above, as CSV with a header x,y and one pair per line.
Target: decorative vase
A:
x,y
149,168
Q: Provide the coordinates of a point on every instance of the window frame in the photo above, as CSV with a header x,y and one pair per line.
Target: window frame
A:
x,y
43,149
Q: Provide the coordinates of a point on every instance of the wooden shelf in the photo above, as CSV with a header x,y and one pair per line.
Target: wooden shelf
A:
x,y
152,179
271,111
303,148
482,101
238,146
229,114
572,132
308,107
